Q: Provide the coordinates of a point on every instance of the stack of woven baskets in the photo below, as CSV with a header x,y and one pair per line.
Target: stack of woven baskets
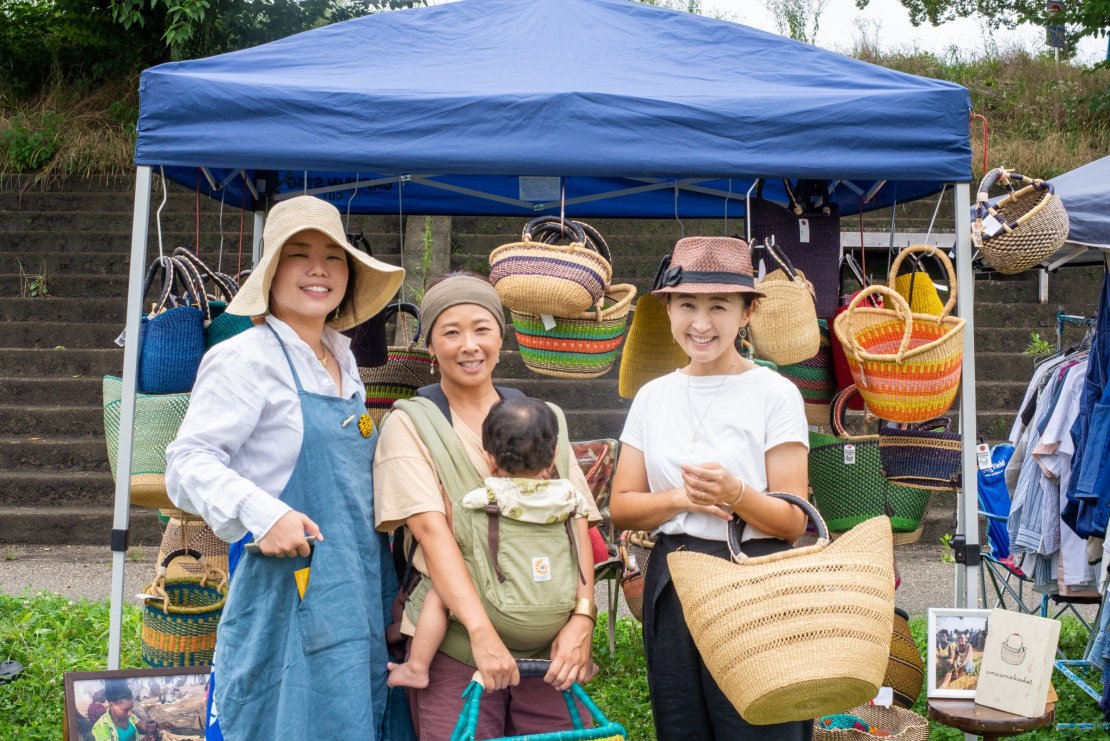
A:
x,y
557,282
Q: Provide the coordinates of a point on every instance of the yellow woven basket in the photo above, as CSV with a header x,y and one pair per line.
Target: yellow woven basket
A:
x,y
649,349
905,365
797,634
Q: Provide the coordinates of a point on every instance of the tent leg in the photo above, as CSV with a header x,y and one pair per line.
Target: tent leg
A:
x,y
256,240
139,229
967,503
1042,286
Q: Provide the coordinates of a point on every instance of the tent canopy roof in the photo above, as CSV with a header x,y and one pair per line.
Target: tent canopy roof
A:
x,y
482,91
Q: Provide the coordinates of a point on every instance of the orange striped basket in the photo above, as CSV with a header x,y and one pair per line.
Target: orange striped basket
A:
x,y
905,365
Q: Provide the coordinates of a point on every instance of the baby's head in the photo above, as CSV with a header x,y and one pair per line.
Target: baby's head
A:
x,y
519,437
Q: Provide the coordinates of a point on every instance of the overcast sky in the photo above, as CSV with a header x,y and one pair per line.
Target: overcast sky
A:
x,y
888,21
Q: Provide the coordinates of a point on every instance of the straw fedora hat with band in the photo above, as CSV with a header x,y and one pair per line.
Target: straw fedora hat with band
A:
x,y
707,265
376,282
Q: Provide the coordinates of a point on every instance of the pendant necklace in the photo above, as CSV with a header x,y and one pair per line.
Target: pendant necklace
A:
x,y
701,417
323,356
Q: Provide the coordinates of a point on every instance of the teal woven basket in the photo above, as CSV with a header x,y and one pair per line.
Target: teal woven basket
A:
x,y
582,346
603,729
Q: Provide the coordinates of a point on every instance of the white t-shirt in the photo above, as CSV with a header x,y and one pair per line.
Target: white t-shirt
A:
x,y
737,420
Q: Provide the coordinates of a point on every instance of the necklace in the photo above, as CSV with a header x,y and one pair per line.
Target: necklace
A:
x,y
323,357
701,417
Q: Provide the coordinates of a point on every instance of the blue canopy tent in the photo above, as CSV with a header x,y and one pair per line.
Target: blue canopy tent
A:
x,y
518,107
1085,193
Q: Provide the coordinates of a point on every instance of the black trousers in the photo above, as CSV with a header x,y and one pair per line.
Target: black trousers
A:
x,y
686,702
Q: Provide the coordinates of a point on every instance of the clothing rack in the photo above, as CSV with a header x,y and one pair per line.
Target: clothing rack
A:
x,y
1079,321
1068,668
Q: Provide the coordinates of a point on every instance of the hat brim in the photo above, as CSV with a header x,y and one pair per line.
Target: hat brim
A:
x,y
376,283
709,288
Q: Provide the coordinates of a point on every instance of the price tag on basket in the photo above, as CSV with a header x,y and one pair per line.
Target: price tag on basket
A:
x,y
849,455
983,456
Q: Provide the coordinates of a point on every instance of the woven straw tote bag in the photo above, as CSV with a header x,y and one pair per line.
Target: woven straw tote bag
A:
x,y
784,324
187,532
797,634
583,345
896,724
905,672
407,368
924,455
1023,228
534,276
905,365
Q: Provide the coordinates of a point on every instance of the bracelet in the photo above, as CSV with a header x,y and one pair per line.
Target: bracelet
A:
x,y
743,491
586,607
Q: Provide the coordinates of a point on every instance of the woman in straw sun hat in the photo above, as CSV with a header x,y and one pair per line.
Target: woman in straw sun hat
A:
x,y
700,446
275,447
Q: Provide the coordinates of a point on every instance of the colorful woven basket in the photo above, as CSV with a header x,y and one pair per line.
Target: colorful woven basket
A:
x,y
536,277
581,346
815,379
756,621
845,473
1021,230
407,368
635,548
906,366
603,729
179,622
650,350
157,419
189,533
872,721
784,324
905,672
925,455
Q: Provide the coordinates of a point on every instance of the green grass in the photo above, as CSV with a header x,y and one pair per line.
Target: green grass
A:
x,y
51,635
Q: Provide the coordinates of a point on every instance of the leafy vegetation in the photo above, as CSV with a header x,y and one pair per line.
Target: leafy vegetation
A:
x,y
51,635
1038,346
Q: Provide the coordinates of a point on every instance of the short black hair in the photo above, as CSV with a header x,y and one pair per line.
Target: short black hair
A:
x,y
521,434
116,690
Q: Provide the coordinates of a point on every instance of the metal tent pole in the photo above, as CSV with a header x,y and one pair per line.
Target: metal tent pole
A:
x,y
968,503
139,229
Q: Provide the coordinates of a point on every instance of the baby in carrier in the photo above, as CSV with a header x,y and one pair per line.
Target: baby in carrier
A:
x,y
519,437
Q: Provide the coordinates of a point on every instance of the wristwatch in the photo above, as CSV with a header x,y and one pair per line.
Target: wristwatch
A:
x,y
583,606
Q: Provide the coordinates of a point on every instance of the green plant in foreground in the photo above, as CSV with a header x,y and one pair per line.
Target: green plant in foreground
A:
x,y
32,285
947,555
29,147
1037,346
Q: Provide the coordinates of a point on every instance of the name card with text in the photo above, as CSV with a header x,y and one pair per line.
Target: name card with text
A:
x,y
1016,672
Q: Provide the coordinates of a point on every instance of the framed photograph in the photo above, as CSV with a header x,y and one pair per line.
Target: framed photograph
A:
x,y
160,704
956,642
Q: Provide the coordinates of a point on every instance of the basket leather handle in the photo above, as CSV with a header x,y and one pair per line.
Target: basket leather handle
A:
x,y
404,307
901,308
838,411
191,552
544,228
192,282
224,284
163,265
736,527
935,252
780,257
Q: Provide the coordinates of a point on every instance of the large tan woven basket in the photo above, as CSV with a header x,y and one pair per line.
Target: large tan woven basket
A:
x,y
1029,224
905,365
784,324
797,634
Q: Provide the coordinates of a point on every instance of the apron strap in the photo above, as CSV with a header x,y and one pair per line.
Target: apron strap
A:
x,y
289,360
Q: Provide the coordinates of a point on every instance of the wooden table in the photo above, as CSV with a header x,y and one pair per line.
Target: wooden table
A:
x,y
966,716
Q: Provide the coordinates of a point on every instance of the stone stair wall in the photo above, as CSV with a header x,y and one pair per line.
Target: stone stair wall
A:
x,y
55,482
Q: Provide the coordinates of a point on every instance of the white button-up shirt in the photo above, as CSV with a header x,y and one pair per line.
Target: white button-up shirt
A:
x,y
241,437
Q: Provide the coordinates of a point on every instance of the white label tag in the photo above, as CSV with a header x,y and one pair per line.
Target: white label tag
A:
x,y
849,455
548,321
803,230
991,226
541,568
885,698
122,339
983,457
532,188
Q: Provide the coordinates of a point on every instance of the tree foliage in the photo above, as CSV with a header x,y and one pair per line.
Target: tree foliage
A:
x,y
1081,18
798,19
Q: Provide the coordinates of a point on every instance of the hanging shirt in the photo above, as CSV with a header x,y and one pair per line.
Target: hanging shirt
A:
x,y
239,442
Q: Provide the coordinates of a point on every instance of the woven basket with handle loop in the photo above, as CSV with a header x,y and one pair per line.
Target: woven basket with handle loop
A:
x,y
891,724
635,548
905,365
796,634
537,276
180,618
784,326
1023,228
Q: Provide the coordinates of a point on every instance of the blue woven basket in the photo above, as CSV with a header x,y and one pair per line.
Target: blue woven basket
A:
x,y
924,456
171,337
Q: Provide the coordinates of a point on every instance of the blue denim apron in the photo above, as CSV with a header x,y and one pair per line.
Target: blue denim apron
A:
x,y
312,668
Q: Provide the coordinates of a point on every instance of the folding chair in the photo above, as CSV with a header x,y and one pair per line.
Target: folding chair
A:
x,y
598,461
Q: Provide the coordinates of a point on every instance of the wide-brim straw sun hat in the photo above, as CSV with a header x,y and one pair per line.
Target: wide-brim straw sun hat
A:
x,y
708,265
376,282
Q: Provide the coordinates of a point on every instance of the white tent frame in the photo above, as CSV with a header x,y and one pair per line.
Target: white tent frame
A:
x,y
967,578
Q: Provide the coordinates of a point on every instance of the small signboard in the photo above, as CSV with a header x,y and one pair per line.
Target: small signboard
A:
x,y
1054,32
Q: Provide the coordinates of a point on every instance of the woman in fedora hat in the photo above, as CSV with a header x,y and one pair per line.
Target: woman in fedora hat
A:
x,y
275,446
701,445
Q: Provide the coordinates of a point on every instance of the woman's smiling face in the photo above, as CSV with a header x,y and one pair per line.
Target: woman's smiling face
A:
x,y
311,278
705,325
466,342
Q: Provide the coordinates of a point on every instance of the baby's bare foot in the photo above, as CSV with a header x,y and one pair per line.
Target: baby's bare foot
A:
x,y
406,675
